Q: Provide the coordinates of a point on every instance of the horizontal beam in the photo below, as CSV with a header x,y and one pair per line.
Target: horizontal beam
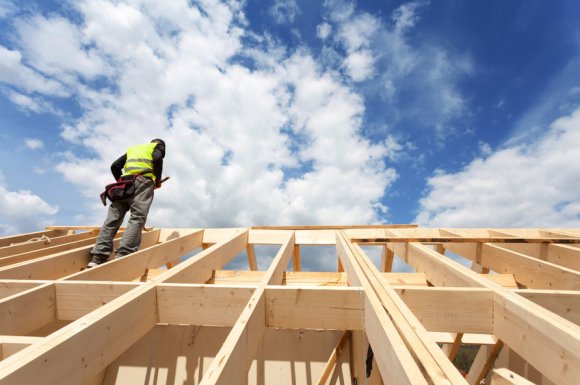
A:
x,y
442,239
30,237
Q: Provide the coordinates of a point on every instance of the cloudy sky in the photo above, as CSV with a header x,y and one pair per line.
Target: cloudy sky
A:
x,y
443,113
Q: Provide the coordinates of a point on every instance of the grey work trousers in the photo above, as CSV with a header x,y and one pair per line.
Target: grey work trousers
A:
x,y
139,205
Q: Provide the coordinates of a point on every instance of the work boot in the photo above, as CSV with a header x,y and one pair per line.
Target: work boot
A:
x,y
98,259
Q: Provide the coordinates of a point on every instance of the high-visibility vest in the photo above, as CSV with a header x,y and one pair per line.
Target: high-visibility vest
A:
x,y
140,160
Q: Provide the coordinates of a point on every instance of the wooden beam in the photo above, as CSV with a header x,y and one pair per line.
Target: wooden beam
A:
x,y
11,287
231,363
44,243
76,299
503,376
201,304
25,312
430,357
394,360
451,349
41,252
387,257
529,271
10,345
334,356
200,267
336,308
29,237
525,327
134,265
252,263
483,362
82,349
61,264
296,258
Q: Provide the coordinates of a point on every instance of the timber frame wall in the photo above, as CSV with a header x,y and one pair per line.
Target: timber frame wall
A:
x,y
518,303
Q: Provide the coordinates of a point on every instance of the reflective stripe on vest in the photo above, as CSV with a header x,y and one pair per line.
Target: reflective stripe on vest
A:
x,y
140,160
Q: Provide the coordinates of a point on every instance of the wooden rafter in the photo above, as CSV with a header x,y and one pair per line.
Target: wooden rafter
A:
x,y
70,325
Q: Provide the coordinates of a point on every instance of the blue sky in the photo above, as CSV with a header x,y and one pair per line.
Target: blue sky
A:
x,y
443,113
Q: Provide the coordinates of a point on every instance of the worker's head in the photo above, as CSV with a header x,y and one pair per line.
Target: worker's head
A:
x,y
160,145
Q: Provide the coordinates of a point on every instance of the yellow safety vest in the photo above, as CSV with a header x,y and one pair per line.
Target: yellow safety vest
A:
x,y
140,160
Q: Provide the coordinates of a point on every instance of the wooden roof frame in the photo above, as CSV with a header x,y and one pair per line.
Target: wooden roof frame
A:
x,y
414,330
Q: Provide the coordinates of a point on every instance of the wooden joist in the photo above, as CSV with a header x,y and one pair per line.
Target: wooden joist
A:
x,y
70,325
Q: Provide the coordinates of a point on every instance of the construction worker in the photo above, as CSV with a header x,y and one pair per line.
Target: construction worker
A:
x,y
143,164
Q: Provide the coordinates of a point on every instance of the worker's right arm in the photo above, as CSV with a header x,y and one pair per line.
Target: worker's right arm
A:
x,y
117,166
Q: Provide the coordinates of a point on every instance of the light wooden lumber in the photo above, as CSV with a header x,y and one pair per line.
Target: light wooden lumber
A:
x,y
483,362
134,265
503,376
399,313
334,356
524,326
233,360
30,237
44,243
437,368
396,363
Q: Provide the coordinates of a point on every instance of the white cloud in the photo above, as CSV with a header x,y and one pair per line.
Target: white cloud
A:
x,y
528,185
355,33
323,30
278,144
22,211
34,144
284,11
7,8
57,47
14,72
384,52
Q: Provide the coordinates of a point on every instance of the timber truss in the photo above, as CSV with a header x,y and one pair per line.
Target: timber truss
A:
x,y
171,314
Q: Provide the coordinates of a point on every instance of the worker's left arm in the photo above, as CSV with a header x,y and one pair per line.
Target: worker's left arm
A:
x,y
158,155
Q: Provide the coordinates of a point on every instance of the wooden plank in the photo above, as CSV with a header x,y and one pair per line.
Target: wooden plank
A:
x,y
81,350
11,287
25,312
387,257
199,268
29,255
333,359
566,304
296,258
503,376
395,362
61,264
134,265
438,269
451,309
337,308
529,329
201,304
549,343
564,255
435,365
28,237
467,339
529,271
76,299
45,243
452,349
212,236
10,345
483,362
242,277
230,366
267,237
252,263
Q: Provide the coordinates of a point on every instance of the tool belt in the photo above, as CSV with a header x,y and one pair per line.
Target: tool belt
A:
x,y
122,189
